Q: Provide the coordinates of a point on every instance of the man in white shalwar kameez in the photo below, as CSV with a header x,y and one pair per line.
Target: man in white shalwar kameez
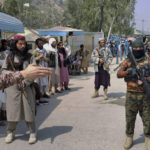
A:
x,y
52,52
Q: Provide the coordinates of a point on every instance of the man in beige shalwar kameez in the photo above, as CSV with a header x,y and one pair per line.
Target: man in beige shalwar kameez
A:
x,y
20,98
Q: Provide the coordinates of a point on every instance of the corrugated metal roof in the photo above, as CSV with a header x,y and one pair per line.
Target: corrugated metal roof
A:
x,y
10,24
60,31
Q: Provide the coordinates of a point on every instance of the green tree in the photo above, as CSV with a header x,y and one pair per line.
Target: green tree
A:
x,y
10,7
30,16
121,15
72,14
116,15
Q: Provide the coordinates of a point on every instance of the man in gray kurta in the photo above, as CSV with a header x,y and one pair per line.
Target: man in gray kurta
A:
x,y
40,56
102,58
20,98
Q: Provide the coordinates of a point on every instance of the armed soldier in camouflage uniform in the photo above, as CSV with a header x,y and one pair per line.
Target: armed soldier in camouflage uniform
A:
x,y
136,98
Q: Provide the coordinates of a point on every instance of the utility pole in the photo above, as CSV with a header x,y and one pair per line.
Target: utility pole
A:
x,y
101,15
143,26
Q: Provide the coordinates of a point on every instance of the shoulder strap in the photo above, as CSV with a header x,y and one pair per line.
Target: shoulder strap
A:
x,y
98,51
11,64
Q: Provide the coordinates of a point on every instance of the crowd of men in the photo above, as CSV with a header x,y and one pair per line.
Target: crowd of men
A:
x,y
20,100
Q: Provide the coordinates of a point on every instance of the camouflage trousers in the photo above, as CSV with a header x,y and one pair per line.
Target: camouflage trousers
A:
x,y
137,102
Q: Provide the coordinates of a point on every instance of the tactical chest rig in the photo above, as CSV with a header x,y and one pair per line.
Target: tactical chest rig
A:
x,y
133,74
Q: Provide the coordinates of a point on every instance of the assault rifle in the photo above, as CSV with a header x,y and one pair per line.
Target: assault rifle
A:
x,y
140,73
101,55
115,69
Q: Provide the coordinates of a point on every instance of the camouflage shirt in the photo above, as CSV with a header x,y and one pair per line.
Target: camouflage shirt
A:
x,y
9,79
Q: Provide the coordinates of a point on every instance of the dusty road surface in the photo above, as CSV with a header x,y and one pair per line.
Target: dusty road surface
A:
x,y
74,121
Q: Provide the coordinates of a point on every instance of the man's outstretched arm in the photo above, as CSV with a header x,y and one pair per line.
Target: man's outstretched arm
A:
x,y
31,72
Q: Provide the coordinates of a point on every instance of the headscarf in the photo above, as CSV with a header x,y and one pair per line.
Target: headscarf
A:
x,y
51,40
61,50
19,37
48,46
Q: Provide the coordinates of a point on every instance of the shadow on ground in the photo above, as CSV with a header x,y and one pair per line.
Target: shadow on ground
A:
x,y
119,98
43,113
71,90
48,133
116,95
140,140
53,132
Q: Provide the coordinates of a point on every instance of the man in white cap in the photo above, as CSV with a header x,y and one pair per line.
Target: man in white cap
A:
x,y
102,58
54,64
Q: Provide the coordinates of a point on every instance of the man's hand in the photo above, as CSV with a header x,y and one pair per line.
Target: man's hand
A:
x,y
124,64
41,56
106,65
140,82
33,72
101,60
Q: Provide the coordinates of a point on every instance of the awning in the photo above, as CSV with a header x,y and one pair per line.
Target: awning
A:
x,y
52,33
60,31
10,24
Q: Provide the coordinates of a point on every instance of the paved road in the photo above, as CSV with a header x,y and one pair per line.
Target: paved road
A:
x,y
74,121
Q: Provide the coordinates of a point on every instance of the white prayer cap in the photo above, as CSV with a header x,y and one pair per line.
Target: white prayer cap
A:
x,y
101,39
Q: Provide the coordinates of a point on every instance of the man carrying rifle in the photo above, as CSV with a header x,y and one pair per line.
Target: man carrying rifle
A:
x,y
102,58
136,72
